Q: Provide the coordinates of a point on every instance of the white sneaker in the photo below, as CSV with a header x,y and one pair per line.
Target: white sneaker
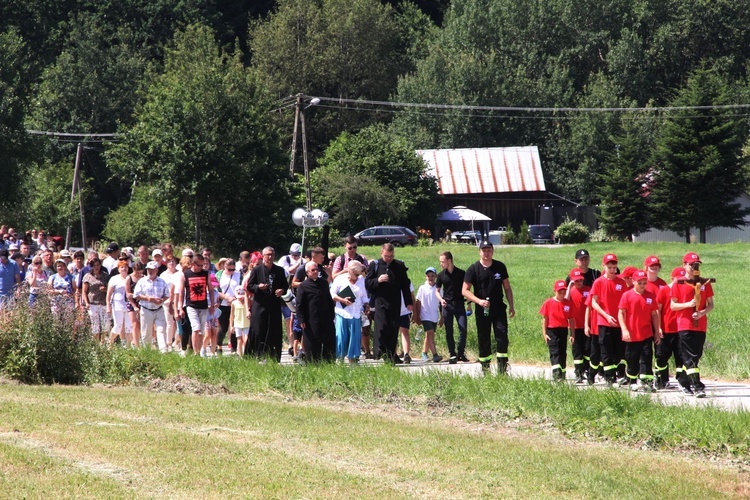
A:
x,y
182,353
203,353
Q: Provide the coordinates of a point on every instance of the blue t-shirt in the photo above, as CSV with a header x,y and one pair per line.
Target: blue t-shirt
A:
x,y
8,272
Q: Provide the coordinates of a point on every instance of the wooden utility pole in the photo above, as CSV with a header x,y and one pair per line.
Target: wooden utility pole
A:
x,y
76,187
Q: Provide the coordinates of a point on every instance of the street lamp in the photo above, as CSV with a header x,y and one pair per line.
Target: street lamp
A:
x,y
299,117
309,218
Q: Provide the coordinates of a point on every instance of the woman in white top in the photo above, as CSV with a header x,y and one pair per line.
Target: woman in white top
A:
x,y
348,291
117,305
167,305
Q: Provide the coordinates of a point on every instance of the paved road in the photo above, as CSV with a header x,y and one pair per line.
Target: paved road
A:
x,y
727,395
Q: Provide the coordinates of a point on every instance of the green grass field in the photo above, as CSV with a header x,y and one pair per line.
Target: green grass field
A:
x,y
72,442
533,269
194,428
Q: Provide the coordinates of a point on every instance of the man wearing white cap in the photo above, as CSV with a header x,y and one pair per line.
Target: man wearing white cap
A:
x,y
151,291
290,263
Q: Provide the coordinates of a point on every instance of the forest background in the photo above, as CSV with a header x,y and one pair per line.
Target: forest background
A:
x,y
637,106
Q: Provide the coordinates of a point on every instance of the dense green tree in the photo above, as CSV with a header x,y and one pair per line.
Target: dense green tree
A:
x,y
698,168
351,49
205,140
373,178
13,140
624,190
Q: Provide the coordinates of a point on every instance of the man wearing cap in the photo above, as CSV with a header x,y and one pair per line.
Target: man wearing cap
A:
x,y
290,263
638,315
489,280
113,253
582,260
451,280
578,294
691,319
10,276
387,283
158,257
670,338
315,308
605,300
150,292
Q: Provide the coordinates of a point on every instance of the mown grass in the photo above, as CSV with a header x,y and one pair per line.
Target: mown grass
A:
x,y
575,412
533,269
130,443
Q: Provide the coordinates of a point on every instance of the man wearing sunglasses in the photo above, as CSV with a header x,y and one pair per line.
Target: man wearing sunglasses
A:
x,y
341,264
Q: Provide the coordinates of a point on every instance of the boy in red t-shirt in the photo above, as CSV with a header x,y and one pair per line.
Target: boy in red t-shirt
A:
x,y
691,321
605,299
670,339
638,313
578,293
652,266
557,321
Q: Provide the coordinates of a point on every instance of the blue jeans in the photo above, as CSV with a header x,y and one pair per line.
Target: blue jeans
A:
x,y
457,311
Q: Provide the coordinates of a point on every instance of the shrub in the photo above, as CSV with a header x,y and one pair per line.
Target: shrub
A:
x,y
523,235
571,231
37,346
599,236
510,237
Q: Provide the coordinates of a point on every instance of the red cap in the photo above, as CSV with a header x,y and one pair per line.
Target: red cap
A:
x,y
651,260
628,272
691,258
610,257
639,275
559,285
678,272
576,274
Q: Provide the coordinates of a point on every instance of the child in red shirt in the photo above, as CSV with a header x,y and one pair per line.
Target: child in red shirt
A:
x,y
639,320
578,293
691,321
670,339
557,321
605,297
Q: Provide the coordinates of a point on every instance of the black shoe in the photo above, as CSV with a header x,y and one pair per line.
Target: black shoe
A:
x,y
462,358
452,360
368,355
291,351
686,390
579,379
407,359
700,392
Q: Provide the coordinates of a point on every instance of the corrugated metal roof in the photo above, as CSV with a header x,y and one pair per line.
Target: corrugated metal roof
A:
x,y
485,170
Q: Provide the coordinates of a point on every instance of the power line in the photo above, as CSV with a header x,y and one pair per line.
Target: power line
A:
x,y
72,134
466,107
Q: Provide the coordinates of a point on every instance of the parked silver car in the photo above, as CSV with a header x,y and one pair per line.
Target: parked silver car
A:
x,y
396,235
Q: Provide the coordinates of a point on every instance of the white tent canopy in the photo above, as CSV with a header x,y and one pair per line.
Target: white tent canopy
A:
x,y
461,213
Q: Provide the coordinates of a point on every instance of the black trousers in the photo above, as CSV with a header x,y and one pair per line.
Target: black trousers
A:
x,y
668,347
226,311
595,360
457,311
558,350
610,343
691,347
497,322
581,351
639,357
317,347
386,333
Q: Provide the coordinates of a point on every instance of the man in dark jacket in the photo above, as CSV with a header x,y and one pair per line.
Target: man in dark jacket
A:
x,y
267,283
387,282
315,309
